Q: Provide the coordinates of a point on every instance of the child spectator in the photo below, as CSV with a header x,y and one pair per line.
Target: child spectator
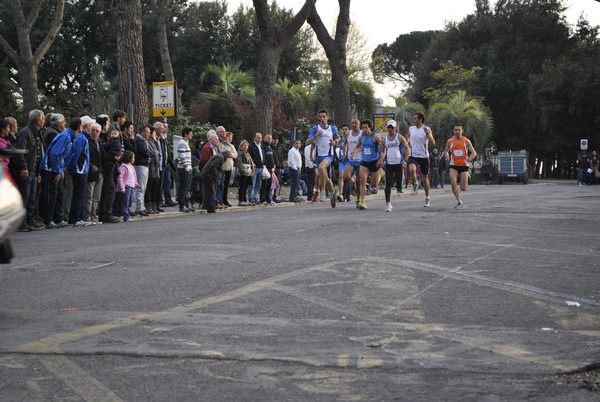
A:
x,y
126,183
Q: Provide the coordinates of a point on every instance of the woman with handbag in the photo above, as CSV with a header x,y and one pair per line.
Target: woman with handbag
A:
x,y
245,169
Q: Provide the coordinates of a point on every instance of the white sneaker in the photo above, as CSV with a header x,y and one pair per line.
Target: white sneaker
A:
x,y
78,224
388,207
459,205
427,202
415,189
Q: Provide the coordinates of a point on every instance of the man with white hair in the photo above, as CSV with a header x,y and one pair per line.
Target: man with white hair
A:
x,y
95,177
209,149
57,125
211,173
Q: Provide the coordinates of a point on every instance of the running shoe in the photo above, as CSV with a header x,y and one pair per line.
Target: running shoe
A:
x,y
415,189
459,205
388,207
333,198
427,202
315,197
357,204
362,206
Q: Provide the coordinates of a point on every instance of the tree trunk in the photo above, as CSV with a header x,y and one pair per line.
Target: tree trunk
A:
x,y
26,60
272,42
130,63
335,49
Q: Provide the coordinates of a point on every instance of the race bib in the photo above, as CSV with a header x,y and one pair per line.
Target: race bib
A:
x,y
458,152
367,151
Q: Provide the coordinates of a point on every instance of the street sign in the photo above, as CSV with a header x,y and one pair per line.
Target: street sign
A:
x,y
583,143
163,99
380,120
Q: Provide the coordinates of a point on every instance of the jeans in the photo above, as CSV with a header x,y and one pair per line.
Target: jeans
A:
x,y
209,189
126,199
28,189
442,178
142,176
167,183
76,211
254,191
295,183
310,181
92,198
220,190
183,187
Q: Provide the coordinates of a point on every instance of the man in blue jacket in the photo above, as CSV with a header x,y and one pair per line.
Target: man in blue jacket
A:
x,y
52,168
78,166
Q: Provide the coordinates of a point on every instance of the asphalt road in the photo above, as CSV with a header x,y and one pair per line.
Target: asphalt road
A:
x,y
497,301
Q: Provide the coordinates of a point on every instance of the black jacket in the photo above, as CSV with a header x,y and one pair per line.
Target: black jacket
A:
x,y
255,154
142,151
268,154
29,139
97,159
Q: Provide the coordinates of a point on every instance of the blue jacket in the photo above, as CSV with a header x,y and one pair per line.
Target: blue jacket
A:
x,y
78,160
58,151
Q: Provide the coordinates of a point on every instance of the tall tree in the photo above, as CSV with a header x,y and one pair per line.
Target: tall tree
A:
x,y
25,59
272,44
130,62
159,8
335,49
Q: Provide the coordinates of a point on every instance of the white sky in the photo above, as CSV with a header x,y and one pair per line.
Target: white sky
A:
x,y
381,21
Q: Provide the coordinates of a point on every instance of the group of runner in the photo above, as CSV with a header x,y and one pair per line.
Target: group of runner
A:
x,y
363,152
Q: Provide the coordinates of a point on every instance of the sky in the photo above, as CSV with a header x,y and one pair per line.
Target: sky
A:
x,y
382,21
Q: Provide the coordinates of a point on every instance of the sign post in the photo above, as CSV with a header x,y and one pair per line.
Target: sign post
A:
x,y
163,99
379,121
583,144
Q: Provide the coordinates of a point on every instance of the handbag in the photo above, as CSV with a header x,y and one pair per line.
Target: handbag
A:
x,y
265,174
246,169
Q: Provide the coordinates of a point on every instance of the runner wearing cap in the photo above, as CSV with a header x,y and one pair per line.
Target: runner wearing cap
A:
x,y
393,161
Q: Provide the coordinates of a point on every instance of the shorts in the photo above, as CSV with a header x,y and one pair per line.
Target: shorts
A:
x,y
460,169
341,166
354,164
422,162
372,166
319,159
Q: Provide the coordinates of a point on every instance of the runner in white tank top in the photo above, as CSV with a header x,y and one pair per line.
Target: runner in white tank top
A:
x,y
420,138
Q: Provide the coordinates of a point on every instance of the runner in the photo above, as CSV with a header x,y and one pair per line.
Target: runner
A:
x,y
393,161
372,160
353,158
460,152
324,136
420,138
342,163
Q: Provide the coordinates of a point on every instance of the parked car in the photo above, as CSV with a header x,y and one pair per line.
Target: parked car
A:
x,y
11,208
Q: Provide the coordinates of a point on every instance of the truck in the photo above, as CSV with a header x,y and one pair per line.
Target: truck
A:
x,y
513,166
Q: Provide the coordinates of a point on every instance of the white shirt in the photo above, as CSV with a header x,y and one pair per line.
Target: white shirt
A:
x,y
393,155
353,141
419,142
294,159
307,161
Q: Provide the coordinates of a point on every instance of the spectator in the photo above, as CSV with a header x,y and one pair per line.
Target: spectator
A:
x,y
257,154
126,184
184,169
95,177
141,163
295,167
78,164
245,171
27,167
211,174
52,168
152,195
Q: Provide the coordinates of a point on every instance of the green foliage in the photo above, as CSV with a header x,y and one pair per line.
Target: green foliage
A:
x,y
461,109
223,112
450,78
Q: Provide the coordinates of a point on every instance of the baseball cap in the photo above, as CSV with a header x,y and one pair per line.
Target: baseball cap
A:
x,y
391,123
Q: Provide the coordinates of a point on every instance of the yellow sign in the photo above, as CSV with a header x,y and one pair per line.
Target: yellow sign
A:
x,y
380,121
163,99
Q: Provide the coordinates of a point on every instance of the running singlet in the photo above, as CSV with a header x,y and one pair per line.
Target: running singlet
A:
x,y
393,154
322,146
418,142
352,143
458,152
370,150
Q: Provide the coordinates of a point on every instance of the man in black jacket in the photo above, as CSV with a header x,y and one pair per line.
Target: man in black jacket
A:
x,y
265,188
27,167
211,174
258,158
141,164
95,177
